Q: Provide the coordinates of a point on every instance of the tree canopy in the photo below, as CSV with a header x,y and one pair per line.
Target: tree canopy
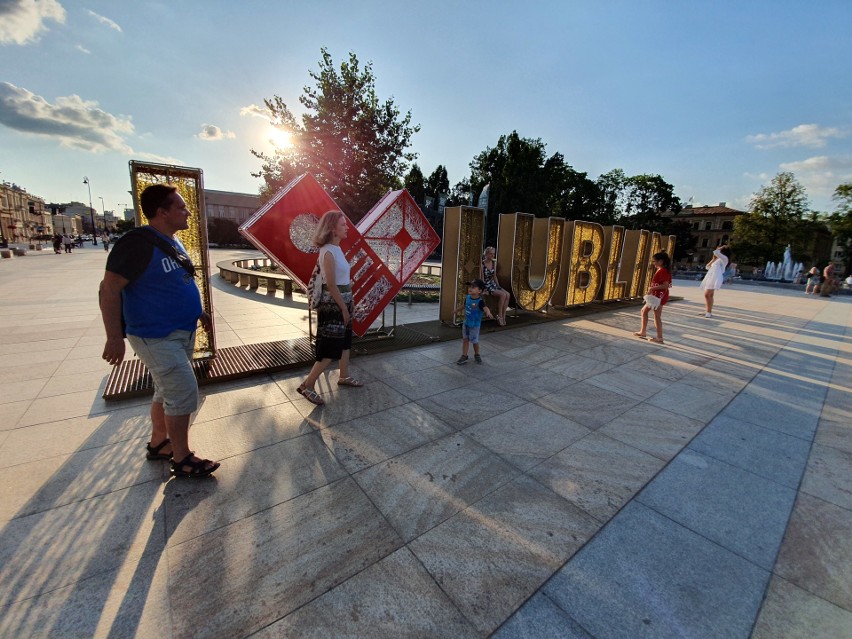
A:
x,y
778,216
841,222
353,143
524,179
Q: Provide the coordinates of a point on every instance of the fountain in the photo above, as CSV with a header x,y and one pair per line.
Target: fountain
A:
x,y
783,271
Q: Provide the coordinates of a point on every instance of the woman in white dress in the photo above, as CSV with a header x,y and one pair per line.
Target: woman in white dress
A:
x,y
715,276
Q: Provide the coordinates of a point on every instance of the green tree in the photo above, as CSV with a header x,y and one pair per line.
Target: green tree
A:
x,y
416,186
571,194
645,200
353,143
515,169
122,226
840,222
438,182
773,221
612,191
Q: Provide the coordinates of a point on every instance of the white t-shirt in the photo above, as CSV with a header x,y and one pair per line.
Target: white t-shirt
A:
x,y
341,266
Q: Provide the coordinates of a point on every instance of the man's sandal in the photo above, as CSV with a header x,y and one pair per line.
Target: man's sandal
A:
x,y
641,335
656,340
349,381
197,467
154,451
311,395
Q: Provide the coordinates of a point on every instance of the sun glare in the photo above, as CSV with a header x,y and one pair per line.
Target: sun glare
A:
x,y
279,138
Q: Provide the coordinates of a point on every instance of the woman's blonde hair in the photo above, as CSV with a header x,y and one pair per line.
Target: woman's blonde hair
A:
x,y
325,228
489,248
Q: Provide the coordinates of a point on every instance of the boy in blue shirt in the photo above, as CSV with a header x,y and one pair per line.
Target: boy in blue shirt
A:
x,y
474,307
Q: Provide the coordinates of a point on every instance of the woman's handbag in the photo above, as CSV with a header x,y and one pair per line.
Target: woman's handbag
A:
x,y
652,302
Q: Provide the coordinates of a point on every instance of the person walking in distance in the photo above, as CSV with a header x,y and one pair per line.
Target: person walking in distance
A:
x,y
149,284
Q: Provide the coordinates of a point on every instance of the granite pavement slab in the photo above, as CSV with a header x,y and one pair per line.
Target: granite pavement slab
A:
x,y
816,554
420,489
247,484
463,407
492,556
588,404
762,451
789,611
740,511
368,440
672,583
597,473
392,598
653,430
266,566
526,435
540,618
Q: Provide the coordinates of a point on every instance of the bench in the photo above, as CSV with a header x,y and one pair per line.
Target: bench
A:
x,y
247,273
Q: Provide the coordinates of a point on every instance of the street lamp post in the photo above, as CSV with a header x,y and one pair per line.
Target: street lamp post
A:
x,y
91,212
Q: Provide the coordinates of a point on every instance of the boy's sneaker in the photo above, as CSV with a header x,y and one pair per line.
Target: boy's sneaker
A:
x,y
478,359
462,360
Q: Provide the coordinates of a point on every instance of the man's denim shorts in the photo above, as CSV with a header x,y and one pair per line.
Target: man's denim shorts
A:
x,y
471,333
168,359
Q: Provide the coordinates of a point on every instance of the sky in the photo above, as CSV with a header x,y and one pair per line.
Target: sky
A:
x,y
716,97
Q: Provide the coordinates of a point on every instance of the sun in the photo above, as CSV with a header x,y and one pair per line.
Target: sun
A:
x,y
279,138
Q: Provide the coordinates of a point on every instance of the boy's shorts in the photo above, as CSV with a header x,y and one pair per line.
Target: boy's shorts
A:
x,y
471,333
168,360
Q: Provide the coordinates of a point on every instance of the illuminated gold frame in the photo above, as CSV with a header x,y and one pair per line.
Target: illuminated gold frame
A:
x,y
613,288
464,232
190,185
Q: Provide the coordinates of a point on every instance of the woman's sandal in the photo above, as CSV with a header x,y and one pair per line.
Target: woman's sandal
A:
x,y
349,381
154,451
311,395
197,468
641,335
501,320
656,340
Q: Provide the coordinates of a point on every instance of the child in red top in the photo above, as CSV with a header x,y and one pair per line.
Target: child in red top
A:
x,y
659,287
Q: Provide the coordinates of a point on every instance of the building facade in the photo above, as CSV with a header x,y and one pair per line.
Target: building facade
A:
x,y
23,219
711,225
228,205
67,225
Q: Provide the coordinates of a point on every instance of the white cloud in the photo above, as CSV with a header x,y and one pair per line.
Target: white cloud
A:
x,y
810,135
821,174
257,111
212,132
80,47
74,122
162,159
104,20
22,21
763,177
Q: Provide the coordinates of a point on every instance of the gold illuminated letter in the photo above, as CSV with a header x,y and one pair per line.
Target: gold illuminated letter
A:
x,y
584,280
614,289
532,248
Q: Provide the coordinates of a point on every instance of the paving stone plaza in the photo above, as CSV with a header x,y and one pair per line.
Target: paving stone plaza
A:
x,y
579,483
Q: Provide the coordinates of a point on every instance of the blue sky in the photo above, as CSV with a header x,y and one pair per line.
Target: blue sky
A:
x,y
717,97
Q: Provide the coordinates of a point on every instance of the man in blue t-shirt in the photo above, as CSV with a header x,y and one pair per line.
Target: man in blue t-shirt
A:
x,y
474,307
148,284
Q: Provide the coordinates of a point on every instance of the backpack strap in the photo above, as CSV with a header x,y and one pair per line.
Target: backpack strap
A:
x,y
169,249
